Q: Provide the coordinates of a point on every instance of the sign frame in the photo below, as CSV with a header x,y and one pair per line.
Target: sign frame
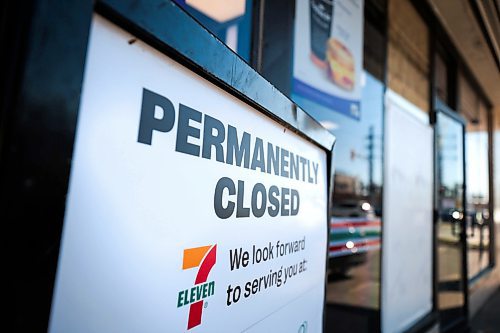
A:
x,y
41,114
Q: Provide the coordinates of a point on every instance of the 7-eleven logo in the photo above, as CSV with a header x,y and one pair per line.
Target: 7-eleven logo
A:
x,y
204,258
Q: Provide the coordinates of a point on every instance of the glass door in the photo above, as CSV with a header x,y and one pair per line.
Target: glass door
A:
x,y
450,219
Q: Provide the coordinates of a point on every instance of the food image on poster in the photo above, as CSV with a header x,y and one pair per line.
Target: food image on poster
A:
x,y
328,54
340,64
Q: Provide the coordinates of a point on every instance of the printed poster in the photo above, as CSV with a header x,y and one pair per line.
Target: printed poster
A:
x,y
328,54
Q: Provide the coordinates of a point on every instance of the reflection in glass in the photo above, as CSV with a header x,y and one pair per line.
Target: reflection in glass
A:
x,y
450,219
478,215
354,247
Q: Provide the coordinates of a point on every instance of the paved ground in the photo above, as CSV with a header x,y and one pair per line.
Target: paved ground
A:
x,y
487,320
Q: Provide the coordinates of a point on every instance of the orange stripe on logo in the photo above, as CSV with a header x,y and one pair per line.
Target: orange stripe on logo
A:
x,y
192,257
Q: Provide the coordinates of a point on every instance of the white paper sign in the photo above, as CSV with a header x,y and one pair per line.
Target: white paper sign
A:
x,y
187,209
407,226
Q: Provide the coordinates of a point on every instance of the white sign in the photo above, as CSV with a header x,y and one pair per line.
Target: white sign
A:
x,y
187,210
328,53
407,227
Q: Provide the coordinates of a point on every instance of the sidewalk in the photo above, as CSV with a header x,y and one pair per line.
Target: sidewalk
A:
x,y
487,320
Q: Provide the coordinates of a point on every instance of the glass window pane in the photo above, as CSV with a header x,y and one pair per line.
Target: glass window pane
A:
x,y
450,177
354,247
353,285
477,178
476,140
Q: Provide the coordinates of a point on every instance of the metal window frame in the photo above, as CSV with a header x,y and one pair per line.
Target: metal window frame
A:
x,y
39,118
461,323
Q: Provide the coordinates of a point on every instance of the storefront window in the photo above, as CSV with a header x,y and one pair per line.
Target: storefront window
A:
x,y
338,66
450,207
354,247
230,21
477,178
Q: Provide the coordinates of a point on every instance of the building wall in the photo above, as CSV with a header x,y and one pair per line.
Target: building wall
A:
x,y
408,53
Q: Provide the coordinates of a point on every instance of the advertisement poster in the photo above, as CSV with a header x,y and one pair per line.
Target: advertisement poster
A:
x,y
328,53
187,210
